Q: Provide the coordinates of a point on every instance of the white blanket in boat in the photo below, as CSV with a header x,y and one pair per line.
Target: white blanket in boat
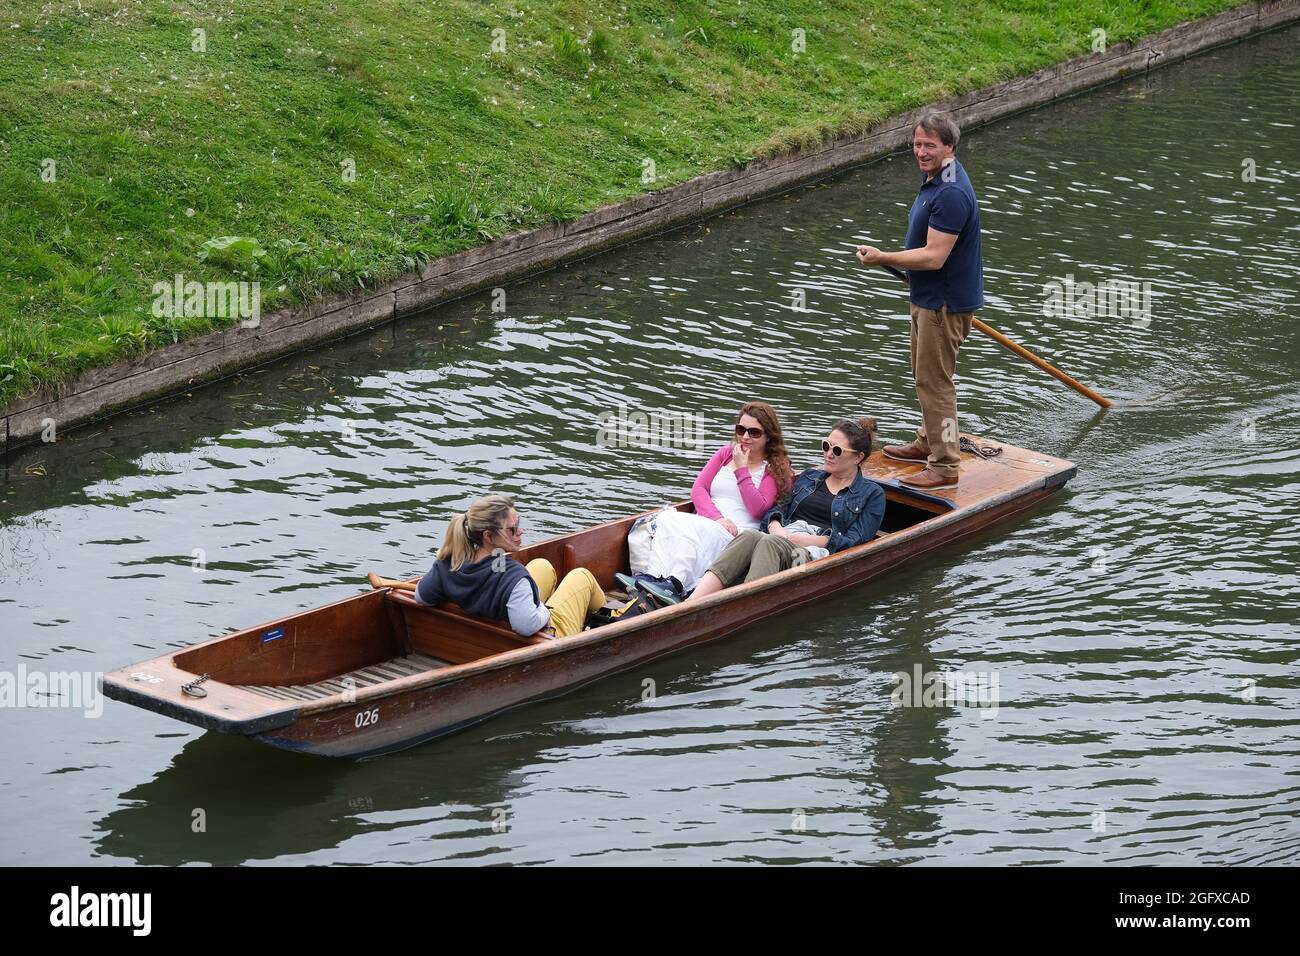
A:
x,y
681,546
677,544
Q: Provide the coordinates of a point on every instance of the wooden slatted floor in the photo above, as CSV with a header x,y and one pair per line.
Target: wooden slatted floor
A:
x,y
365,677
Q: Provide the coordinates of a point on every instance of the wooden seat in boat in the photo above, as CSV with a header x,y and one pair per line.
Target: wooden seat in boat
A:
x,y
448,633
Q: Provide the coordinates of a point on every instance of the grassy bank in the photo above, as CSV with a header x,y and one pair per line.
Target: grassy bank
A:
x,y
129,141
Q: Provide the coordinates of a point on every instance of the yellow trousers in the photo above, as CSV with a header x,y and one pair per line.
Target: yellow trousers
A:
x,y
577,596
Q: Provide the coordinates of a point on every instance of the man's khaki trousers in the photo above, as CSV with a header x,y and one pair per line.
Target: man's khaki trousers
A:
x,y
936,337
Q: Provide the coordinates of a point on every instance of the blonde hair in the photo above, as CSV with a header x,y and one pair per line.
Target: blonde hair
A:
x,y
465,533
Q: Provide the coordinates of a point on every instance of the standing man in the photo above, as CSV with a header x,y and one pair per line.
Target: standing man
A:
x,y
945,270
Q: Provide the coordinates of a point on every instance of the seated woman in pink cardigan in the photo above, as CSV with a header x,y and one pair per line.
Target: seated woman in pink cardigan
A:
x,y
740,484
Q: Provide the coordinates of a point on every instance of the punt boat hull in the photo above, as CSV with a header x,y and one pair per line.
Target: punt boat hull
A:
x,y
376,672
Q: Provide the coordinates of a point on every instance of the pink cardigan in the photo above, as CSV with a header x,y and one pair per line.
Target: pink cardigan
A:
x,y
758,500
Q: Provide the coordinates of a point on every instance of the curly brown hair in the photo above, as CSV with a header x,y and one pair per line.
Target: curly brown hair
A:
x,y
778,459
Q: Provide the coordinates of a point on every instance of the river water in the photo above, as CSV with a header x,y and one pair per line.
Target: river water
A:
x,y
1142,625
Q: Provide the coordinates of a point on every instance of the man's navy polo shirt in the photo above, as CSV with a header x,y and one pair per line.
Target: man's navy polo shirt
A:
x,y
949,207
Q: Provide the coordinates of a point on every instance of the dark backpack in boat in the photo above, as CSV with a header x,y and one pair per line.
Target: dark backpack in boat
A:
x,y
637,605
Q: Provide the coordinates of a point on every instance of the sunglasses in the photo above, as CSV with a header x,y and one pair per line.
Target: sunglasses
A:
x,y
835,450
512,530
742,431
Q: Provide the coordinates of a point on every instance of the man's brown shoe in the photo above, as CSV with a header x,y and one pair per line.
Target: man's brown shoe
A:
x,y
927,479
909,452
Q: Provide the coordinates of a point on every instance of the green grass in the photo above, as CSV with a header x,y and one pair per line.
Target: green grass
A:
x,y
158,148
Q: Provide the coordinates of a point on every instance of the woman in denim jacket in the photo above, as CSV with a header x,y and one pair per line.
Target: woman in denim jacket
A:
x,y
829,509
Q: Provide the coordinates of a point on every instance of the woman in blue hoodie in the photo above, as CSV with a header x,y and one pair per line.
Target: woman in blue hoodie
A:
x,y
829,509
475,570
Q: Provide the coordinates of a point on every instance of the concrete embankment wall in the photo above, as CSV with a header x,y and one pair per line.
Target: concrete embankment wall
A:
x,y
182,366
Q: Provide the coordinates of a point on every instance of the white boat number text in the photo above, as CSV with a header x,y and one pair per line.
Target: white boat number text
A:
x,y
367,718
146,678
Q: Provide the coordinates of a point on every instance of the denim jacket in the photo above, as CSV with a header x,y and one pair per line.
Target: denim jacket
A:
x,y
856,512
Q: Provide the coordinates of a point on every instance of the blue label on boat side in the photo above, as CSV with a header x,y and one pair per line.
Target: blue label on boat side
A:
x,y
274,635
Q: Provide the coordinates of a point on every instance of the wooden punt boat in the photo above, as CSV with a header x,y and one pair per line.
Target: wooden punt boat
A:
x,y
377,672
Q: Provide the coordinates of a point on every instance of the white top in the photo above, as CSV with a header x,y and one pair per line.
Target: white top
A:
x,y
527,617
726,495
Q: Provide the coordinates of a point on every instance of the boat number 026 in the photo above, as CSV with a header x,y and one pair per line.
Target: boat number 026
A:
x,y
367,718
